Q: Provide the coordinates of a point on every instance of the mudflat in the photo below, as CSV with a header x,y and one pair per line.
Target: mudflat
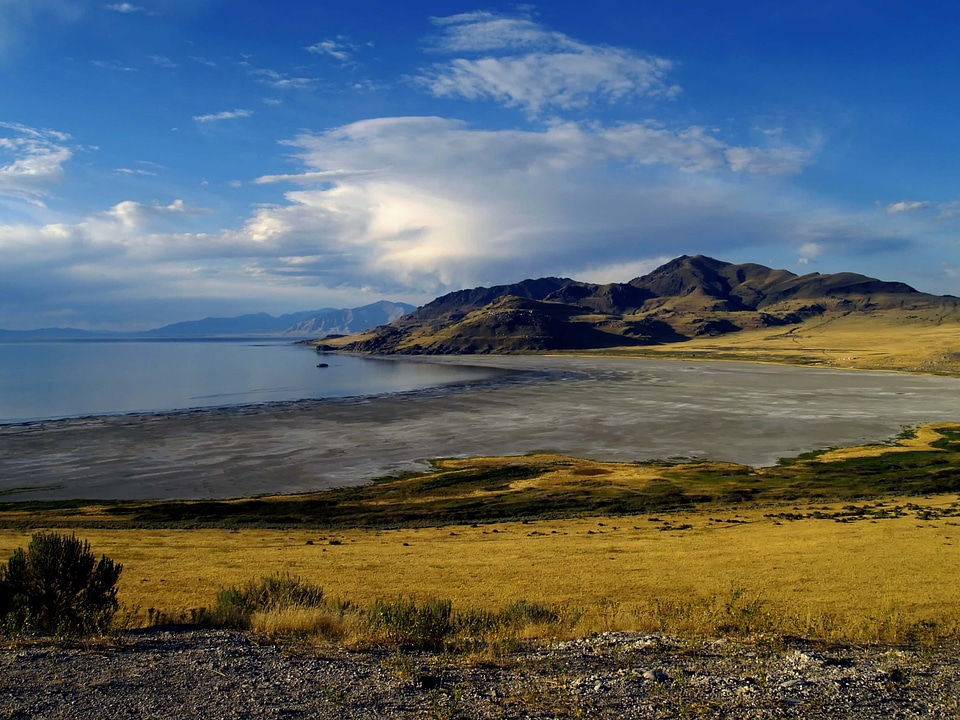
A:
x,y
617,409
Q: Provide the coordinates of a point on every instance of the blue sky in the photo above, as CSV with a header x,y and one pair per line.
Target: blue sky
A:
x,y
163,160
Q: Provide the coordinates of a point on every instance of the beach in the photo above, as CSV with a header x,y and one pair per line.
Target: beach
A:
x,y
616,409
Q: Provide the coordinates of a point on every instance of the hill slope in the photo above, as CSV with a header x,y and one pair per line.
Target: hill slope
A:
x,y
687,301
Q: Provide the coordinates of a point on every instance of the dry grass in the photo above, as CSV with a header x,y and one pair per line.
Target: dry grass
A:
x,y
914,341
847,580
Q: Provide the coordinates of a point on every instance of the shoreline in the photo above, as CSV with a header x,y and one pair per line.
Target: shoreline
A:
x,y
603,408
248,408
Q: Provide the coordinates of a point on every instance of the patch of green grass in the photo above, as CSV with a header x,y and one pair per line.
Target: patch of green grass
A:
x,y
492,492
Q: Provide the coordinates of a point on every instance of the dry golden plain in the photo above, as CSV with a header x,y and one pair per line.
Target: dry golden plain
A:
x,y
859,581
898,340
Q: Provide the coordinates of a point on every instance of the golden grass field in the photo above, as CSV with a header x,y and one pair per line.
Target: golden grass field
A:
x,y
888,340
853,581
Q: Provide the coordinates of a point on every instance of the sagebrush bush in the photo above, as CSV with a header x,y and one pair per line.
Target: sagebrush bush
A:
x,y
57,585
235,606
404,623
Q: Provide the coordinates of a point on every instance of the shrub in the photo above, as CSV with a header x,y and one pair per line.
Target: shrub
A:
x,y
524,612
58,586
235,606
407,625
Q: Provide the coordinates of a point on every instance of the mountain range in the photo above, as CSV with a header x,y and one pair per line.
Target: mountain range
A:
x,y
686,298
310,323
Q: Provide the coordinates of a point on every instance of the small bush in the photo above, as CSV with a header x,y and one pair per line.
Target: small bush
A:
x,y
57,585
405,624
524,612
236,606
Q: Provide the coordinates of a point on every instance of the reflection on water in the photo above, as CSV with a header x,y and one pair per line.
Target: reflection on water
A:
x,y
44,380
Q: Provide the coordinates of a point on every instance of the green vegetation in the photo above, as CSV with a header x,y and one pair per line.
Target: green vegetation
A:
x,y
236,606
539,487
58,586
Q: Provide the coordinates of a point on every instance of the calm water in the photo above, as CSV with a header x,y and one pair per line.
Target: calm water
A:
x,y
44,380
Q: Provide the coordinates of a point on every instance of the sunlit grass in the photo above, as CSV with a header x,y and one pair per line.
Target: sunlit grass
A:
x,y
837,579
915,341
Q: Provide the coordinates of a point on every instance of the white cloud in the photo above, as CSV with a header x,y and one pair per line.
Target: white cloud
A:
x,y
775,160
225,115
548,69
431,204
133,171
125,8
135,216
163,61
31,160
413,207
340,49
809,251
281,81
309,178
112,65
907,206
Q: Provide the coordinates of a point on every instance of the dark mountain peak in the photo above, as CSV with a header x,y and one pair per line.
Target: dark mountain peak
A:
x,y
460,302
687,275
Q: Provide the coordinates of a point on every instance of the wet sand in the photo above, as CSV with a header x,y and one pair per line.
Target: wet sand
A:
x,y
602,408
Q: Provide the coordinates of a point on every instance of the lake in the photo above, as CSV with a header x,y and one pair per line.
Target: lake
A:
x,y
611,409
46,380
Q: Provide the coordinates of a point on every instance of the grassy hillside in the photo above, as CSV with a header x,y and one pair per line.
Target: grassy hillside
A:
x,y
926,341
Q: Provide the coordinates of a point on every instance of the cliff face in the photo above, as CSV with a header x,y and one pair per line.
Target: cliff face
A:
x,y
685,298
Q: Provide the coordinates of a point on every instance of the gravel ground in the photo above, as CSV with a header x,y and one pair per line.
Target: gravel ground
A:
x,y
225,674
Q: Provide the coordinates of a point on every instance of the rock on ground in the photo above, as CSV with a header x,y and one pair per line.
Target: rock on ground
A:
x,y
225,674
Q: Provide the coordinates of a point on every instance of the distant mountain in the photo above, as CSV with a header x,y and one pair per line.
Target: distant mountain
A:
x,y
685,298
311,323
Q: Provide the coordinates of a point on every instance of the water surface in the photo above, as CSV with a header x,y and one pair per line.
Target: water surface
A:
x,y
46,380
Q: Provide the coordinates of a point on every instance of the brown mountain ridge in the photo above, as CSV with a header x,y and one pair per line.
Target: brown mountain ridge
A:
x,y
685,299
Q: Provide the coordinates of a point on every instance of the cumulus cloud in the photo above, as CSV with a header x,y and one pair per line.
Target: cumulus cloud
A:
x,y
533,68
31,160
225,115
413,207
432,204
134,215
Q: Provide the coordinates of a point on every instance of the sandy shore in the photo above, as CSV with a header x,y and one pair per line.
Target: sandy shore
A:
x,y
602,408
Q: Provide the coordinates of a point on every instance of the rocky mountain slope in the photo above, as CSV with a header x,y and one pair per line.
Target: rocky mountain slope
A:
x,y
687,298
